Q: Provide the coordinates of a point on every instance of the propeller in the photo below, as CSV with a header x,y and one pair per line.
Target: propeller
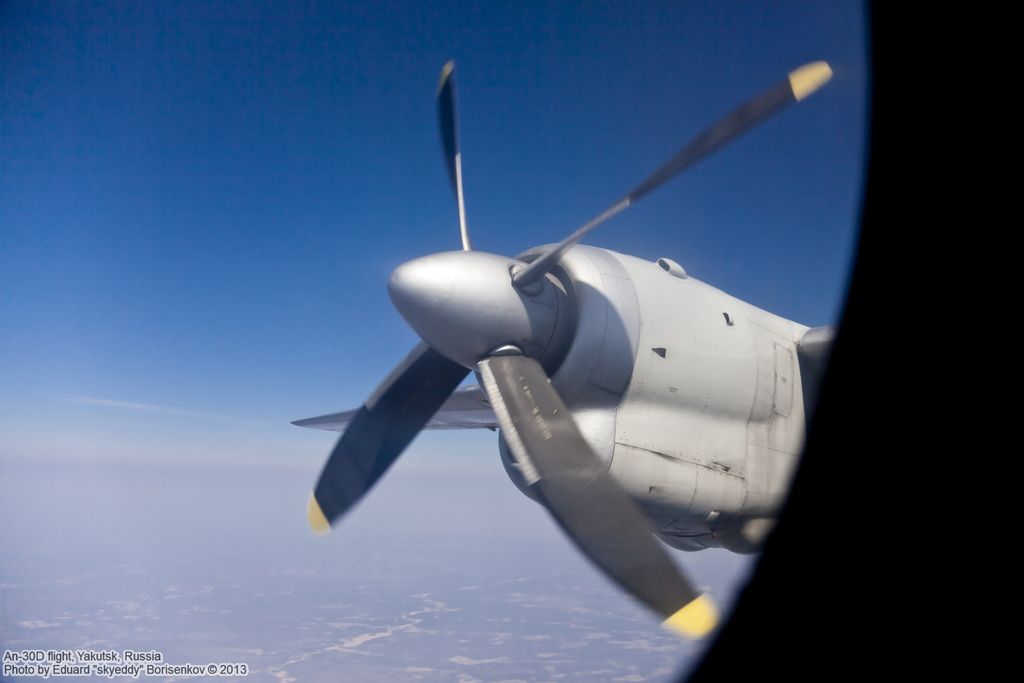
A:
x,y
446,115
576,488
391,418
499,316
798,85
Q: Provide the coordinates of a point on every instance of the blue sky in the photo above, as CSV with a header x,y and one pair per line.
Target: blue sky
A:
x,y
200,205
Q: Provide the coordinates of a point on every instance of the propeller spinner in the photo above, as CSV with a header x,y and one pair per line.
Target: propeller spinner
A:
x,y
497,315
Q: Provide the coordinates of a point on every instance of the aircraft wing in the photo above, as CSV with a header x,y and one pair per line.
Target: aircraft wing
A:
x,y
466,408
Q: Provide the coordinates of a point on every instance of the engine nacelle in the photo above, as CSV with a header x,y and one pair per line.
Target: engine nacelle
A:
x,y
596,362
690,395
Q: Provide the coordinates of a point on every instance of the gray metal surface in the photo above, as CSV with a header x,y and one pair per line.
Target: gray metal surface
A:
x,y
463,304
575,487
711,424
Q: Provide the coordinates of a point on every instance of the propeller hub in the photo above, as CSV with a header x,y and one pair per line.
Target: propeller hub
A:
x,y
463,304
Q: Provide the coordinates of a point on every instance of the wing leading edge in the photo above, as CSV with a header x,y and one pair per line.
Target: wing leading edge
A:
x,y
466,408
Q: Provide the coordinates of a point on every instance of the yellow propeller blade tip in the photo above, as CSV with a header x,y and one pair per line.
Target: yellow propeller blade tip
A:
x,y
809,78
446,71
696,619
317,522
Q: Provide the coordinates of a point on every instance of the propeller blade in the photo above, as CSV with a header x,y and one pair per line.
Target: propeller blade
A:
x,y
446,114
576,488
380,431
799,84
